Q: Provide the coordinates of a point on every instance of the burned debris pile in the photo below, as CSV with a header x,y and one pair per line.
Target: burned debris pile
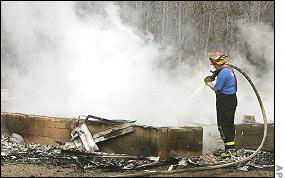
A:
x,y
13,150
262,160
82,152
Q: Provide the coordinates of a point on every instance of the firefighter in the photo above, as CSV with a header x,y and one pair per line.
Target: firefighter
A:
x,y
226,100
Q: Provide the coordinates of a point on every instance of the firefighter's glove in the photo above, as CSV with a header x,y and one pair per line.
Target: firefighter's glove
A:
x,y
208,79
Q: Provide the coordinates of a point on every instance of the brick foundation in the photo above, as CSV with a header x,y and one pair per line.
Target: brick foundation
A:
x,y
250,136
182,141
144,141
36,129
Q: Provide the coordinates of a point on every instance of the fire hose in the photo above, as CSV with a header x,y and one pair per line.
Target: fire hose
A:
x,y
222,165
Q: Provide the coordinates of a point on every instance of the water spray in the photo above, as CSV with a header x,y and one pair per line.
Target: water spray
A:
x,y
195,93
227,164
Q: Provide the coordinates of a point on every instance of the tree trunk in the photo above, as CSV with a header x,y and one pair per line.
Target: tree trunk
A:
x,y
137,16
163,34
258,12
227,36
146,18
179,35
208,35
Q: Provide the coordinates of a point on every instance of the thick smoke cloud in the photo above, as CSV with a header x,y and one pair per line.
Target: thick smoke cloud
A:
x,y
257,60
69,65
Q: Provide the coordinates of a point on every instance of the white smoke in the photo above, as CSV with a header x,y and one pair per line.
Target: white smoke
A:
x,y
258,63
101,66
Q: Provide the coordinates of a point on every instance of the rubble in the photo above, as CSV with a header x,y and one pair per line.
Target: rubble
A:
x,y
14,150
86,138
16,138
248,119
83,140
262,160
50,154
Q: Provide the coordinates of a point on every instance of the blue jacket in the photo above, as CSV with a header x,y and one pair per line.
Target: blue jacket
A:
x,y
226,81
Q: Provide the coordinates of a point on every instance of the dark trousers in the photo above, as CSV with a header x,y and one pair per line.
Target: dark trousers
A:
x,y
226,107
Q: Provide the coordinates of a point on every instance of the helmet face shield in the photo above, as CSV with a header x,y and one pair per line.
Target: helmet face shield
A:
x,y
221,62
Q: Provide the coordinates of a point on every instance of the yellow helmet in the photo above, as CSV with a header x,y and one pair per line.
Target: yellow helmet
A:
x,y
218,58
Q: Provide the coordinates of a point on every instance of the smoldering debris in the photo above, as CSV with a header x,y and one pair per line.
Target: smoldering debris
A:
x,y
262,160
18,152
85,142
12,152
16,138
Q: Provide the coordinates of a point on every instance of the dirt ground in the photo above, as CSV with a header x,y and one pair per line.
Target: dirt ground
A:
x,y
30,170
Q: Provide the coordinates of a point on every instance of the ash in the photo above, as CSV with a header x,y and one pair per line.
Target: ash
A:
x,y
15,151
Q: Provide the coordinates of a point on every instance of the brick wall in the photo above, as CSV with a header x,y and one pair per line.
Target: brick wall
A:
x,y
182,141
144,141
250,136
36,129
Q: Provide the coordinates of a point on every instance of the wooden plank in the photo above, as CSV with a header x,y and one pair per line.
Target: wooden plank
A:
x,y
113,129
113,132
107,120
